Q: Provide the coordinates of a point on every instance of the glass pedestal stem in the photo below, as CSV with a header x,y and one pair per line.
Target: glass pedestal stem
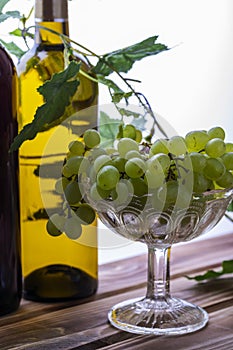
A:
x,y
158,283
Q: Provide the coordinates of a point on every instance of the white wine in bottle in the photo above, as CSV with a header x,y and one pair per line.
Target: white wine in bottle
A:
x,y
54,268
10,265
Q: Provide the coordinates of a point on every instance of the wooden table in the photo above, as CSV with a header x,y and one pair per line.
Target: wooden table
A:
x,y
84,325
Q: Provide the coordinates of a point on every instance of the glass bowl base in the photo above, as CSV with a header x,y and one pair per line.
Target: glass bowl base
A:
x,y
170,316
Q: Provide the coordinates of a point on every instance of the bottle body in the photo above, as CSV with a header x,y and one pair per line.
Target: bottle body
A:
x,y
10,265
54,268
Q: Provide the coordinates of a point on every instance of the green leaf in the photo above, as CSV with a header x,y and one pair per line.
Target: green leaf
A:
x,y
117,97
122,60
13,48
227,267
57,93
128,113
16,32
3,17
230,206
108,127
13,14
118,93
110,84
2,4
19,33
9,14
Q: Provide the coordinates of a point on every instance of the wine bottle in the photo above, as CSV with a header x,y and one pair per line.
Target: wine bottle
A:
x,y
54,268
10,265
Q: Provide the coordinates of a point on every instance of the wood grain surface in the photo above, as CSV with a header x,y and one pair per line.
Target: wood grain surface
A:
x,y
83,324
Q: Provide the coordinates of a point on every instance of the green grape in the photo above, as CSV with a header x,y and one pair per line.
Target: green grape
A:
x,y
102,160
201,183
129,131
169,192
185,194
156,202
154,180
198,161
216,132
229,147
70,155
121,194
77,148
72,227
61,184
138,137
67,172
227,159
177,145
58,221
125,145
214,169
215,148
75,165
110,150
196,140
108,177
133,154
86,214
53,225
140,188
157,162
96,152
120,132
159,146
91,138
135,167
97,193
92,174
226,180
119,163
182,167
72,193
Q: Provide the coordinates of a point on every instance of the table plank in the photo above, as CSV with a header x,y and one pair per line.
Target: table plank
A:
x,y
83,324
217,335
190,258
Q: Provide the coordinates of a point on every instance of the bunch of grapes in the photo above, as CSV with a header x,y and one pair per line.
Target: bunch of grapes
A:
x,y
168,171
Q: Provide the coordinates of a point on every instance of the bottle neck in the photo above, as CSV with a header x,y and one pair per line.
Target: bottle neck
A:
x,y
51,14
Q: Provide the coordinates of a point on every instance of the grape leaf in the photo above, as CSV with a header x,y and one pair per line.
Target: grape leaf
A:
x,y
230,206
122,60
110,84
2,4
128,113
21,32
108,127
16,32
227,267
118,94
13,48
8,14
57,93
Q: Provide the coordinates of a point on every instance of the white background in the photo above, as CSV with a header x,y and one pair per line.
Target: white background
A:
x,y
191,85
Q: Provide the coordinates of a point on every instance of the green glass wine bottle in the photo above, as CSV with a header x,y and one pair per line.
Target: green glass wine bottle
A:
x,y
10,265
54,268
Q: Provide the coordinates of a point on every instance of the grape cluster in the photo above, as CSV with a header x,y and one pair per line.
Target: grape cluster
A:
x,y
170,170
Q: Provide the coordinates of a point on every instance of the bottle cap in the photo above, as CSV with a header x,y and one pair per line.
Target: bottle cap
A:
x,y
50,10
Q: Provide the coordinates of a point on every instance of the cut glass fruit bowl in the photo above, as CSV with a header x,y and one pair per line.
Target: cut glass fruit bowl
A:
x,y
140,220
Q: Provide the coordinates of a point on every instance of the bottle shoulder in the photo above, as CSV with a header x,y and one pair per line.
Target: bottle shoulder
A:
x,y
7,66
46,59
41,55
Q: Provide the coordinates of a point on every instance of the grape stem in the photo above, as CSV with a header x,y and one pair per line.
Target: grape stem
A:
x,y
228,217
143,101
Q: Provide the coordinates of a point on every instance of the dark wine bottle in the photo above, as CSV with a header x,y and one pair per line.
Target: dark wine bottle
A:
x,y
54,268
10,265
